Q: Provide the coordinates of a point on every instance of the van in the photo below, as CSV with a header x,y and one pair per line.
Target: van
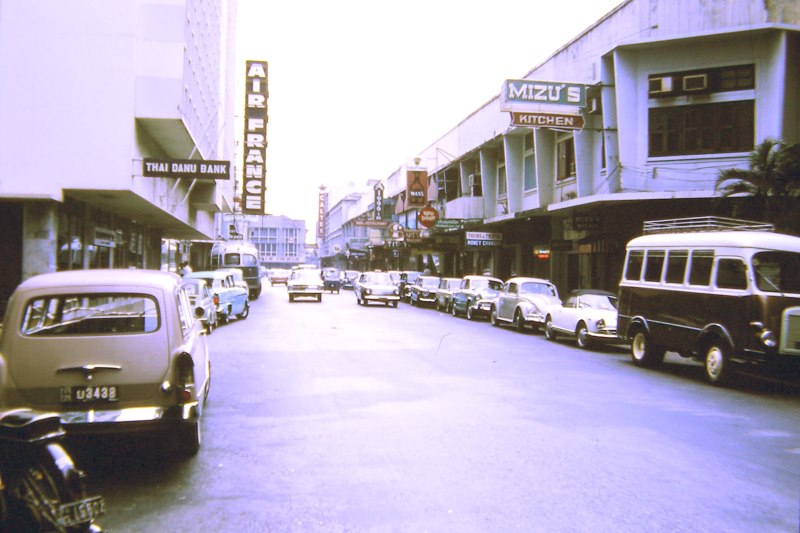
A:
x,y
718,290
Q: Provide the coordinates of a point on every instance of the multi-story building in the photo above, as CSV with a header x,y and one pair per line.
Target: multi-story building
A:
x,y
90,90
534,183
280,240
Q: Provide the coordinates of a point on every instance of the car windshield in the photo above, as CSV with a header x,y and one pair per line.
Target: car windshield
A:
x,y
480,283
532,287
307,275
90,314
777,271
599,301
430,282
378,278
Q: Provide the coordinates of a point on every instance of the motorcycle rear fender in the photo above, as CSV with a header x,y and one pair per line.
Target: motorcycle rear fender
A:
x,y
27,425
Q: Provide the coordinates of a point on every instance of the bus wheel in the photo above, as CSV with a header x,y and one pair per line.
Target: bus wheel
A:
x,y
718,363
644,352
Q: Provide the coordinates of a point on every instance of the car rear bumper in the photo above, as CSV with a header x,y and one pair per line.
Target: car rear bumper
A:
x,y
381,298
128,420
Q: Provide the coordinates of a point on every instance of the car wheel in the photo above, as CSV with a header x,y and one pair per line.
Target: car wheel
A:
x,y
291,298
582,336
470,315
549,332
319,298
453,310
394,304
209,327
493,317
223,318
245,312
188,437
519,322
718,364
644,352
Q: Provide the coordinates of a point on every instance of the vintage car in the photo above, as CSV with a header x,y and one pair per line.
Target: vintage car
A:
x,y
348,278
376,287
474,296
444,293
524,302
200,297
589,316
238,277
278,276
423,291
110,351
305,283
230,299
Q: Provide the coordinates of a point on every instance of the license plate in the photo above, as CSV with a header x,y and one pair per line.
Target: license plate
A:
x,y
89,393
81,511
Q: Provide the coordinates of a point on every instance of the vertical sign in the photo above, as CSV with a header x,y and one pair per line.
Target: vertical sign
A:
x,y
417,187
255,138
378,209
322,209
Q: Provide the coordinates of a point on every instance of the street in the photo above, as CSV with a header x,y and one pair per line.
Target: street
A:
x,y
335,417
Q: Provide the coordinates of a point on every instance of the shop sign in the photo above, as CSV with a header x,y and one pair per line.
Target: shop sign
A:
x,y
369,223
547,120
587,223
428,216
322,208
544,92
186,168
482,239
255,138
417,187
378,201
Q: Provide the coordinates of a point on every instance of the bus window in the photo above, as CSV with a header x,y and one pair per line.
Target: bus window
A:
x,y
700,269
633,269
654,265
676,266
731,274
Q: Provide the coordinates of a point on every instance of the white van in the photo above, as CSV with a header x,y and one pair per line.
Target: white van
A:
x,y
718,290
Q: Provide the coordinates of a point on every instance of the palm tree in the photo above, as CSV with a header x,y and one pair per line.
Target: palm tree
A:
x,y
773,181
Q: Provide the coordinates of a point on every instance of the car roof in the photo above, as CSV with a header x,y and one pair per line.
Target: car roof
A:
x,y
759,240
580,292
208,274
481,276
100,277
521,279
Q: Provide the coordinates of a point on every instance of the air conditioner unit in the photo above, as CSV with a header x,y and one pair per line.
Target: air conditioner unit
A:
x,y
695,82
659,85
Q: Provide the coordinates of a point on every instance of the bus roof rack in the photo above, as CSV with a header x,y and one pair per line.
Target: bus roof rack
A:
x,y
711,223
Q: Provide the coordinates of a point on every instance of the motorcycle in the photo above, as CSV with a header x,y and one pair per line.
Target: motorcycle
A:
x,y
40,487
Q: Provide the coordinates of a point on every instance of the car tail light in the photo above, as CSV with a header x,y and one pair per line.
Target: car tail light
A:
x,y
184,377
216,299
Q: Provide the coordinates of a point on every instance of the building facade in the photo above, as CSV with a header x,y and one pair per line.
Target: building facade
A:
x,y
280,240
673,93
89,91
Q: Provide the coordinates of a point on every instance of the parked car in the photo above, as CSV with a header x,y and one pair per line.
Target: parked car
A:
x,y
110,351
348,278
230,299
305,283
278,276
589,316
200,297
444,293
407,278
376,287
523,302
475,295
238,277
423,291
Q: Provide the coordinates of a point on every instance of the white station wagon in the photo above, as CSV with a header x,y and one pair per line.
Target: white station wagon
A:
x,y
110,351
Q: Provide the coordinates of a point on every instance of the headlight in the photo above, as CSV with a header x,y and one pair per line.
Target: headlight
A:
x,y
396,292
601,324
477,298
368,291
768,338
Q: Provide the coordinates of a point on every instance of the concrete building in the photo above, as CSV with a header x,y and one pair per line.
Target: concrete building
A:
x,y
280,240
671,93
90,90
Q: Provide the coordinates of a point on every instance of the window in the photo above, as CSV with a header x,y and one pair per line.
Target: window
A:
x,y
529,164
701,129
700,269
731,274
777,271
654,265
565,158
676,266
633,268
91,314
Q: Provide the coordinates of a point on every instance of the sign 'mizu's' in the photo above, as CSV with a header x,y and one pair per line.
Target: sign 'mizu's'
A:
x,y
545,92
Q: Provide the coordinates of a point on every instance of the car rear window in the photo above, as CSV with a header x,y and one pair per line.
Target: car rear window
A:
x,y
90,314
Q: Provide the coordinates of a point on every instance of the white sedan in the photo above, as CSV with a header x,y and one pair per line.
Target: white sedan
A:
x,y
589,316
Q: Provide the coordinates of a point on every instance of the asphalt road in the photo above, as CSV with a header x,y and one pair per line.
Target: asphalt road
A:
x,y
335,417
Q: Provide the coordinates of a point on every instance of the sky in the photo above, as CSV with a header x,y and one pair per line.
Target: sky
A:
x,y
358,88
